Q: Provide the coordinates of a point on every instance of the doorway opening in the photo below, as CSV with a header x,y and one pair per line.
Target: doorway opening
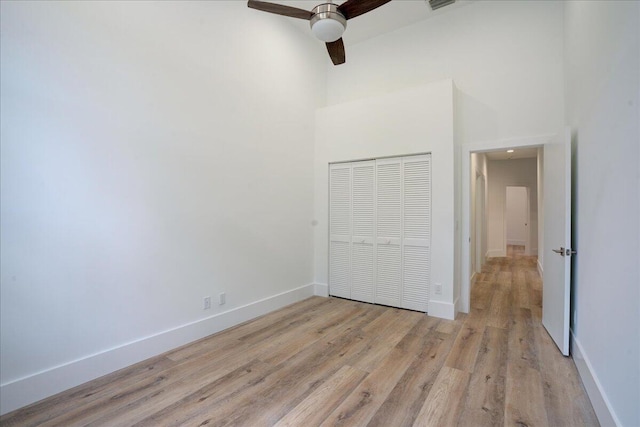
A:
x,y
484,222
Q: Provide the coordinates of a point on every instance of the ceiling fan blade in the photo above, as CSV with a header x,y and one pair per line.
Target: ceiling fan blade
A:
x,y
352,8
280,9
336,52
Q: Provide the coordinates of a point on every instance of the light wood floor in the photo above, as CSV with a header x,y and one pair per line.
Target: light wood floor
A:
x,y
327,361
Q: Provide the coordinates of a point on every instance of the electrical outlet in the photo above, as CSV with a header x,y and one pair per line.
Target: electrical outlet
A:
x,y
438,287
206,303
223,298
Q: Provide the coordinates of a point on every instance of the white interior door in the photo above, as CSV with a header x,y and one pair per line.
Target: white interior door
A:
x,y
557,239
416,240
517,215
389,232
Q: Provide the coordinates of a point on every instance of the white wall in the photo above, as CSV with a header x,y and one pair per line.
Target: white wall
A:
x,y
412,121
501,174
602,93
152,153
505,58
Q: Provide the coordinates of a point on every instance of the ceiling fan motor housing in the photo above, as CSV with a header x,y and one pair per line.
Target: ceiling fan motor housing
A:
x,y
327,23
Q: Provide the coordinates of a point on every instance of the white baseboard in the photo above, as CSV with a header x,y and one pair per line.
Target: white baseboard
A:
x,y
444,310
321,289
599,401
492,253
27,390
540,270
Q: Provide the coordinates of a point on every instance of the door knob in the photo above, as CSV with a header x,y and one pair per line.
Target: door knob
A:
x,y
559,251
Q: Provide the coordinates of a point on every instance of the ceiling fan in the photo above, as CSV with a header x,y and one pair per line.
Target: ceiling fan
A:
x,y
328,21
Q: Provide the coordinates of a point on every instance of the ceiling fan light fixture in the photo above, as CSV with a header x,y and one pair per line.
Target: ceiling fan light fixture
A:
x,y
327,24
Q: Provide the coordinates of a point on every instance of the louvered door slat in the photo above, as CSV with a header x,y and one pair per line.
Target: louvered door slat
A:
x,y
362,274
340,230
389,232
416,266
416,278
388,275
389,198
340,201
417,199
339,270
363,200
363,220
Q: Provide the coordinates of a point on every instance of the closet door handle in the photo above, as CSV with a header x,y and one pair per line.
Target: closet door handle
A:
x,y
559,251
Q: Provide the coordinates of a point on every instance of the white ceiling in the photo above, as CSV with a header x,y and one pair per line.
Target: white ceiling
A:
x,y
389,17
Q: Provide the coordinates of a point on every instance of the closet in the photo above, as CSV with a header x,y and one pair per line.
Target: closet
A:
x,y
380,231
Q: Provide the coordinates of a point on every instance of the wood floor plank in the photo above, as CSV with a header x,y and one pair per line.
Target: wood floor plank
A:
x,y
290,382
465,349
482,295
485,400
524,402
384,337
143,398
198,348
406,399
523,344
334,361
452,326
420,335
521,292
84,395
195,403
499,314
444,402
361,405
288,343
313,410
566,401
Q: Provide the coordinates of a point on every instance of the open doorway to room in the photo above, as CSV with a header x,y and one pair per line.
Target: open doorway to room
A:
x,y
502,188
514,284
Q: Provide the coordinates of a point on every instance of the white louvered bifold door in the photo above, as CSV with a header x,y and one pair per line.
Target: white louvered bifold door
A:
x,y
388,232
362,232
380,231
340,230
416,239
